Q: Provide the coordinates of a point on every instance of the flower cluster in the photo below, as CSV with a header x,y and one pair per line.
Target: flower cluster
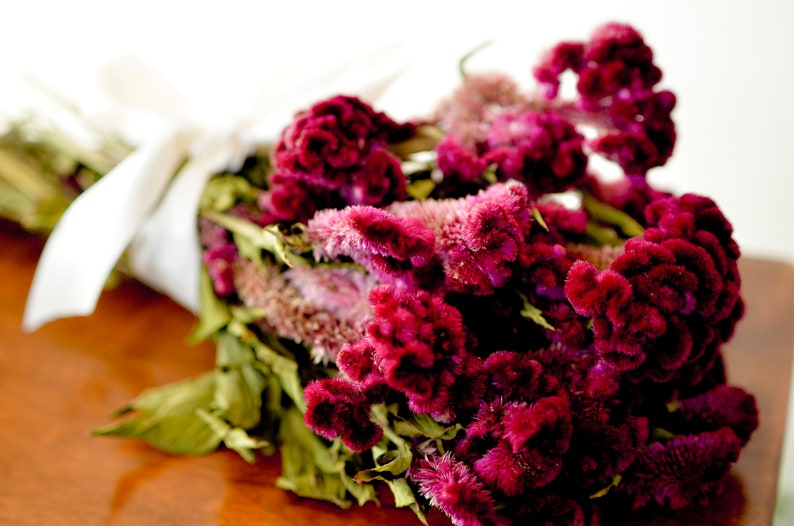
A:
x,y
616,81
421,305
332,155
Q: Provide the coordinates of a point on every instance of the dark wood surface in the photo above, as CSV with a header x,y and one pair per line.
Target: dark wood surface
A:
x,y
62,381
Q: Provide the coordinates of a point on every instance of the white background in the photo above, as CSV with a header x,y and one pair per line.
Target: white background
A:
x,y
730,63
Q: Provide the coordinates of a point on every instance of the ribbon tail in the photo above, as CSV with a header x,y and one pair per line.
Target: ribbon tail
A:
x,y
94,231
166,254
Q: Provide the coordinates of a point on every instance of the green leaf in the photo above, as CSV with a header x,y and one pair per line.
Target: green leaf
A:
x,y
421,189
224,191
310,468
539,219
604,213
214,313
603,491
167,417
233,437
239,383
268,238
421,425
533,313
284,369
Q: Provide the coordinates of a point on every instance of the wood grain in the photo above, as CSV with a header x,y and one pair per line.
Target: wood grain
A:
x,y
63,380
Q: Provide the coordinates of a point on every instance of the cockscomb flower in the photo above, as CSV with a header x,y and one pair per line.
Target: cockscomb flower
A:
x,y
298,314
683,471
392,247
422,348
332,155
336,407
477,238
542,150
481,98
654,309
723,406
518,446
616,86
450,485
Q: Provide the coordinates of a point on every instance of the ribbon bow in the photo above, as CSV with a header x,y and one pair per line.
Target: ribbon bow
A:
x,y
148,205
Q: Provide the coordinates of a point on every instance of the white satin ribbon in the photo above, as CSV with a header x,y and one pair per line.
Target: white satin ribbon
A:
x,y
145,205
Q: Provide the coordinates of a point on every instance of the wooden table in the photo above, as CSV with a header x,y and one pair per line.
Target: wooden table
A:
x,y
62,381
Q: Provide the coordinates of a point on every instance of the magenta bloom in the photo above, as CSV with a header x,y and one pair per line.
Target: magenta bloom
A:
x,y
542,150
336,407
477,238
616,86
683,471
391,247
516,446
218,260
451,486
422,347
332,155
654,310
723,406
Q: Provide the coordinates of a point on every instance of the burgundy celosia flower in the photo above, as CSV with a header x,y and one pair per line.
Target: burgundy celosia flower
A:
x,y
218,260
477,238
357,360
654,309
683,471
516,446
617,78
457,162
542,150
519,377
450,486
421,347
332,155
390,246
336,407
723,406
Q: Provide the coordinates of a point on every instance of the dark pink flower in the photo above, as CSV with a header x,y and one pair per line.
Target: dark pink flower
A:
x,y
723,406
421,347
332,155
218,260
477,238
450,486
390,246
683,471
616,86
336,407
517,446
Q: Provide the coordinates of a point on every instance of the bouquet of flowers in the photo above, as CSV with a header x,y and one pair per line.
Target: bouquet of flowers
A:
x,y
463,310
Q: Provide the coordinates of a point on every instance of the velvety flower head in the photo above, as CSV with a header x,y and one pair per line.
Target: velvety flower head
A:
x,y
616,87
332,155
655,308
543,150
336,407
296,310
450,485
723,406
551,509
385,244
218,261
683,471
422,348
515,446
477,238
476,103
